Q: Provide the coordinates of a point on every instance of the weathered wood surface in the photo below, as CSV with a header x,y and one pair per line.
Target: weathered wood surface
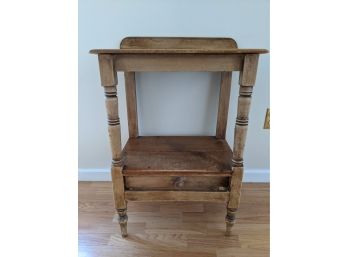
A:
x,y
177,43
109,81
178,54
171,183
176,196
177,156
178,62
131,98
108,78
246,81
178,164
247,76
176,143
224,101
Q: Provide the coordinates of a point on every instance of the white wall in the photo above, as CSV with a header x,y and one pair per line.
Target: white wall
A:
x,y
170,103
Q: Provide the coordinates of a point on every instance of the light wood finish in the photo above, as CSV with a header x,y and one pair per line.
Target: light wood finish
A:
x,y
246,81
108,78
181,183
247,76
177,156
224,102
175,143
180,55
176,196
178,62
178,168
177,43
172,229
131,104
119,198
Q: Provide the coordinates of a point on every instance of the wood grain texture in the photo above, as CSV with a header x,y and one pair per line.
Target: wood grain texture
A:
x,y
224,101
176,143
246,82
236,187
177,156
131,98
178,62
108,78
163,229
242,121
118,187
247,76
177,43
176,196
114,128
180,183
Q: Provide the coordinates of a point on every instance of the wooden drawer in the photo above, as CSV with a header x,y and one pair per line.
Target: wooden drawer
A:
x,y
192,183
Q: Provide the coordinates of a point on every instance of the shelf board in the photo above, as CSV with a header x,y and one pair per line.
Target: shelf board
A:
x,y
177,156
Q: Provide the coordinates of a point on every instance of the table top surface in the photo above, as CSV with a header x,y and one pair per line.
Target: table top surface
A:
x,y
179,51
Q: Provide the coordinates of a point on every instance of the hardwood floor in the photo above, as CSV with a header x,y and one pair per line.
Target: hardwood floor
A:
x,y
185,229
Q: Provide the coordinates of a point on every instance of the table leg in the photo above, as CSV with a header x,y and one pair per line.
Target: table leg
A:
x,y
109,82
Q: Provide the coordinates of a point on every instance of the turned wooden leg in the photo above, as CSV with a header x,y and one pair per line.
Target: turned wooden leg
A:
x,y
122,220
246,81
108,78
230,218
120,203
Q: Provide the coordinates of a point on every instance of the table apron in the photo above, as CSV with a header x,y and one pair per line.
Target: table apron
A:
x,y
178,63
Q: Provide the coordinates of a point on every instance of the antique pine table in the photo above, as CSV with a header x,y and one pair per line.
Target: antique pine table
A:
x,y
177,168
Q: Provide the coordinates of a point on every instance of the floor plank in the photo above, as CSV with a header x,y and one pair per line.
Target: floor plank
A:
x,y
162,229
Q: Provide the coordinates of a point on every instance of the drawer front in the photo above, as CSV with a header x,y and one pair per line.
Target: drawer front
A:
x,y
195,183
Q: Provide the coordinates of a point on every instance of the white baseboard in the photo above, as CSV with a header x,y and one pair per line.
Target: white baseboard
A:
x,y
94,175
256,176
250,175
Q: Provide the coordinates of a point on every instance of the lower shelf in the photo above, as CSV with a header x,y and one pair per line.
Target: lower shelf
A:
x,y
177,156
